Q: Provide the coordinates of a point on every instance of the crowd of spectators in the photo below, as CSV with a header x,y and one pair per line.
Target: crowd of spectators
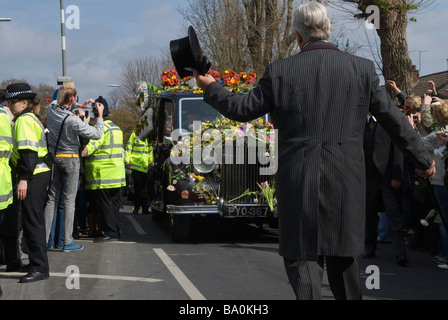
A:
x,y
418,213
62,172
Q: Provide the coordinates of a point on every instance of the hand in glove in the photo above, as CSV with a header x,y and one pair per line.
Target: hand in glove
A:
x,y
202,65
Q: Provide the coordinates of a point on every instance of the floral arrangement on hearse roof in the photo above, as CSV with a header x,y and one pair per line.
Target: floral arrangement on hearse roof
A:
x,y
207,134
147,93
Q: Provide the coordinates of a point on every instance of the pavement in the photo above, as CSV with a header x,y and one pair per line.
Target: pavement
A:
x,y
422,279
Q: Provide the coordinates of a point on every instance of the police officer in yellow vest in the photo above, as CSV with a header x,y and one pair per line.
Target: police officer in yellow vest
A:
x,y
138,157
105,174
5,155
33,176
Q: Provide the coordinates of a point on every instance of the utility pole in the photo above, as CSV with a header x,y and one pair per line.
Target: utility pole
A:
x,y
64,71
420,60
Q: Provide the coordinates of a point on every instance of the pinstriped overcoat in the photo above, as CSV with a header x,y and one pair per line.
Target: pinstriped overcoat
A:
x,y
319,100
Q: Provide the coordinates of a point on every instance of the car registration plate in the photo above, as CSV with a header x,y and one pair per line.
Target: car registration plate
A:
x,y
248,211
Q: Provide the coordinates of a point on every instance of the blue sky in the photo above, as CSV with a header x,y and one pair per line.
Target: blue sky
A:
x,y
112,32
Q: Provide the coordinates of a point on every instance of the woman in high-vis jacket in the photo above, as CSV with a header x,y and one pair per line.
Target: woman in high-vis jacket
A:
x,y
33,176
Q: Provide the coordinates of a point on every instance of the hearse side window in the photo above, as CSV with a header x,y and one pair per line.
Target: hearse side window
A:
x,y
165,119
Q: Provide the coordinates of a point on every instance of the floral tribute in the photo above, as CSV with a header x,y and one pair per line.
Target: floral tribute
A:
x,y
170,78
214,134
170,81
225,128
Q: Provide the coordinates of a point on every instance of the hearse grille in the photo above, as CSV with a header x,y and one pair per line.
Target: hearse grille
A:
x,y
239,174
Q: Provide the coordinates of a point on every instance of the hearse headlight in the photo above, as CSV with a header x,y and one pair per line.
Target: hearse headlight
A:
x,y
204,160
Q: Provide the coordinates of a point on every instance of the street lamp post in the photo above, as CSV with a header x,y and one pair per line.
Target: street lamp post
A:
x,y
63,37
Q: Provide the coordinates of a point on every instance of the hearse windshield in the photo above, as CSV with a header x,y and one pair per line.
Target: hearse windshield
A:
x,y
195,109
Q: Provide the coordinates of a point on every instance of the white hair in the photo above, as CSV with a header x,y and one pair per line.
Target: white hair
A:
x,y
311,21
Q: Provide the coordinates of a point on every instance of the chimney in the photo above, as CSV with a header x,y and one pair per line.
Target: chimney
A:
x,y
415,74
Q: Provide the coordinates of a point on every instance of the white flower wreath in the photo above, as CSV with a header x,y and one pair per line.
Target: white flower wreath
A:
x,y
149,114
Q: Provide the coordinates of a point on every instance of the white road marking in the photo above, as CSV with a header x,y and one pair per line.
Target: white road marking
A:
x,y
90,276
181,278
136,225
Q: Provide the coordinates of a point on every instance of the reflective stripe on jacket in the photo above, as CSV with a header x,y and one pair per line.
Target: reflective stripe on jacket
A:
x,y
28,134
104,162
5,153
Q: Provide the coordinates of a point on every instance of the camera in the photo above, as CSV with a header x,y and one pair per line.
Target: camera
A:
x,y
86,114
414,118
93,105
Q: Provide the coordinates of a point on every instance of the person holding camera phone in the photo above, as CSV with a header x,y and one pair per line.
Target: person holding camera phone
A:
x,y
66,127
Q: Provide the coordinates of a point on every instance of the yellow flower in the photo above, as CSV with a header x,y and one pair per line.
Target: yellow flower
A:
x,y
260,121
199,178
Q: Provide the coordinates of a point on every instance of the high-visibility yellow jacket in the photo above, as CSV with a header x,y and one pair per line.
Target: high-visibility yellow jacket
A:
x,y
28,134
104,167
5,154
138,153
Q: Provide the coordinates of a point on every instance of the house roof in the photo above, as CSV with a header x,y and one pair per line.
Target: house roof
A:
x,y
440,79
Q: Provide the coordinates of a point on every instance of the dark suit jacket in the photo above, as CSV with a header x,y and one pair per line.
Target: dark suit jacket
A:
x,y
318,100
387,158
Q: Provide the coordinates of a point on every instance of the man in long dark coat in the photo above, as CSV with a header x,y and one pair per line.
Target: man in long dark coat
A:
x,y
318,100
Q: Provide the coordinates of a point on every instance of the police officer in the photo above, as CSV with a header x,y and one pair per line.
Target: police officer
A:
x,y
105,174
6,196
33,175
138,157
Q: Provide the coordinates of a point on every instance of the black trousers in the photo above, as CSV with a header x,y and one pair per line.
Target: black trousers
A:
x,y
10,229
140,191
343,276
33,219
380,192
107,205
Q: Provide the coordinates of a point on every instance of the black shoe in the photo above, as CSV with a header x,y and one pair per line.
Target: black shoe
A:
x,y
33,277
402,261
368,254
1,292
105,238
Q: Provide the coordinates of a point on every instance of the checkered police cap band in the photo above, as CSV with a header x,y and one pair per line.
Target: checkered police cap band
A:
x,y
10,95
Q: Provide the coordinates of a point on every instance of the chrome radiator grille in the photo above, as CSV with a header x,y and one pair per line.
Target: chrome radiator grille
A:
x,y
239,174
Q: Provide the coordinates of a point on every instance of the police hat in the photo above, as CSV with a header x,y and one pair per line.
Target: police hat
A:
x,y
106,106
187,55
21,91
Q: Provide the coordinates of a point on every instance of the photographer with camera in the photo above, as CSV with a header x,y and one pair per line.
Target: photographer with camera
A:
x,y
66,128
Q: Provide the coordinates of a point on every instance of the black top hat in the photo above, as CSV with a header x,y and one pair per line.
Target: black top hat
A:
x,y
19,91
187,55
106,106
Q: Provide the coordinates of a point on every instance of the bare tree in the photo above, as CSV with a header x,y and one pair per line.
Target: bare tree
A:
x,y
242,35
140,69
247,35
394,17
122,100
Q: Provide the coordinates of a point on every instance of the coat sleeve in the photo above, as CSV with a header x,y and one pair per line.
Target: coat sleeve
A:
x,y
87,131
395,123
241,107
